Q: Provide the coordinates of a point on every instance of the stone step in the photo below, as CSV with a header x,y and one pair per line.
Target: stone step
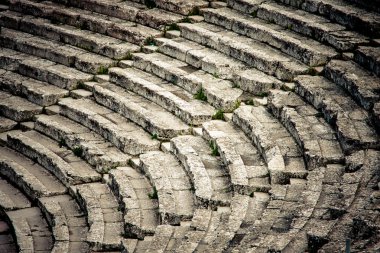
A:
x,y
182,6
165,239
313,135
153,119
353,197
223,224
304,49
219,93
10,59
256,206
127,10
104,219
171,184
359,83
346,14
285,215
44,70
368,4
56,74
369,58
67,221
17,108
209,179
218,64
98,152
275,144
7,242
37,92
11,197
254,53
209,60
86,20
55,51
31,230
351,122
6,124
62,163
118,130
133,192
90,41
173,98
246,168
33,179
316,27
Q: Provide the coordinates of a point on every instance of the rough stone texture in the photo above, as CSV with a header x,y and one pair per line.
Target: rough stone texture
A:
x,y
305,50
316,139
134,194
144,113
210,181
257,55
17,108
359,83
31,230
246,168
40,93
125,135
351,122
172,186
369,58
175,100
68,172
6,124
12,198
33,179
67,221
219,93
103,216
96,150
292,168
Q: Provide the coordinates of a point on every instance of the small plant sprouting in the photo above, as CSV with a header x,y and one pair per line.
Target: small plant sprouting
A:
x,y
150,41
78,151
128,57
154,136
200,95
250,102
171,27
216,75
62,143
254,13
186,20
35,159
102,70
236,105
289,27
214,149
80,85
154,194
311,71
218,115
262,94
195,11
319,115
150,4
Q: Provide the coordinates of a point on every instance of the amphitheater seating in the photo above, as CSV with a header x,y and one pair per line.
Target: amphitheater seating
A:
x,y
189,126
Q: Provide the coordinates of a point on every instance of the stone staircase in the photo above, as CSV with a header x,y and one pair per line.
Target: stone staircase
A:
x,y
189,126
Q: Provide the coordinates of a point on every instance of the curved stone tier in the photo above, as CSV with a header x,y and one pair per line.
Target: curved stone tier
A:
x,y
189,126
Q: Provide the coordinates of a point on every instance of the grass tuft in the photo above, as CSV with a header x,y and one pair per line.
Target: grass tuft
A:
x,y
78,151
154,194
214,149
218,115
200,95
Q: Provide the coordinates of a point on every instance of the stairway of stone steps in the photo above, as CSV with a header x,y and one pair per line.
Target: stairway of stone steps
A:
x,y
189,126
